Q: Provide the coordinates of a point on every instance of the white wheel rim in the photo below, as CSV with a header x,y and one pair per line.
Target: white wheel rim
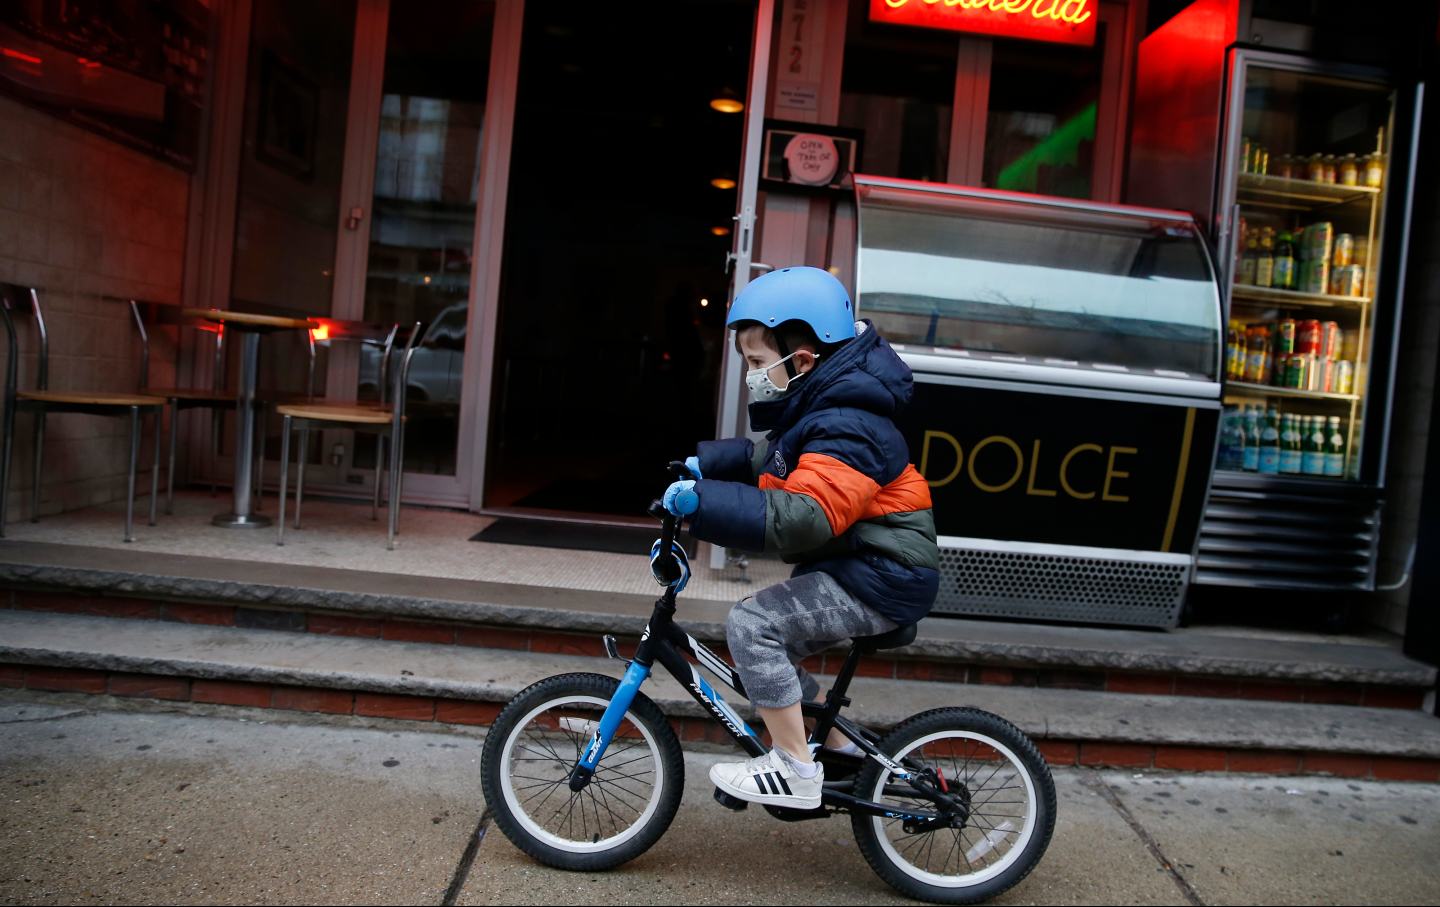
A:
x,y
517,809
1027,830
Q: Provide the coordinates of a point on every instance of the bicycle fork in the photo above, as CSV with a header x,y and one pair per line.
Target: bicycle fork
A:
x,y
635,675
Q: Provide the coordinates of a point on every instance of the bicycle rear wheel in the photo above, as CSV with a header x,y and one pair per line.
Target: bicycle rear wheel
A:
x,y
532,748
988,764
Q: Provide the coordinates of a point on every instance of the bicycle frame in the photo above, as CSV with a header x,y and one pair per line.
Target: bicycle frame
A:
x,y
663,641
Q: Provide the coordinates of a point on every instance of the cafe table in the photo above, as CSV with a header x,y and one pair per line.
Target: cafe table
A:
x,y
251,327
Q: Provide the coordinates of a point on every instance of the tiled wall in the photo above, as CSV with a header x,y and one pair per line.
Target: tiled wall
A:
x,y
82,217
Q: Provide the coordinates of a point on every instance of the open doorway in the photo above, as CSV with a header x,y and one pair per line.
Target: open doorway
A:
x,y
613,290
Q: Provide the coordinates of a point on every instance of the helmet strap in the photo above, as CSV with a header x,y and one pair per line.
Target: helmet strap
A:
x,y
784,349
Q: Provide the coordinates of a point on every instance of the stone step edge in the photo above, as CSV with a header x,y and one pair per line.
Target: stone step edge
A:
x,y
401,669
583,611
444,710
559,641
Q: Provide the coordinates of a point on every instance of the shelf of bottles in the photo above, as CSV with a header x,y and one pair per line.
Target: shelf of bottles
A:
x,y
1301,299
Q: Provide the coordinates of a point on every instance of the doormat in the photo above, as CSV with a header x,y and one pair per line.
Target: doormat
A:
x,y
575,536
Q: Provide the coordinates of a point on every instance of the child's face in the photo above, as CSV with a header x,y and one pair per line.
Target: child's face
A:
x,y
759,350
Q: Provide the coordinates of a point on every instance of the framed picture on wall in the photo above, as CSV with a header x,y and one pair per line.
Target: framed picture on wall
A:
x,y
289,118
808,157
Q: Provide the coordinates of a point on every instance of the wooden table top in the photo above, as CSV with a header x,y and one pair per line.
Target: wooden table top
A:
x,y
250,319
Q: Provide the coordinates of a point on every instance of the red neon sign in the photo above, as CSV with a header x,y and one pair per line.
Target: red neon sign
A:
x,y
1058,21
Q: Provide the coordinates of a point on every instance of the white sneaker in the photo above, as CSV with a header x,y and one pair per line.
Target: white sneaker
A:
x,y
769,780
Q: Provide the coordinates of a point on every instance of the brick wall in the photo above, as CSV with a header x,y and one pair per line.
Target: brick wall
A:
x,y
82,217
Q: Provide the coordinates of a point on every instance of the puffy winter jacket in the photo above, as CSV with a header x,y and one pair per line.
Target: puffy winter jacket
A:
x,y
834,489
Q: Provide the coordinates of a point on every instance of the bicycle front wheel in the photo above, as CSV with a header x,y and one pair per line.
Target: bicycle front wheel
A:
x,y
988,764
532,748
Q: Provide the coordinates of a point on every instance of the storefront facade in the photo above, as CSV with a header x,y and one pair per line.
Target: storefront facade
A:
x,y
569,195
543,279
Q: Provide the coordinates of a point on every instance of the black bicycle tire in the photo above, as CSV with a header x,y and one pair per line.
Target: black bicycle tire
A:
x,y
642,711
961,719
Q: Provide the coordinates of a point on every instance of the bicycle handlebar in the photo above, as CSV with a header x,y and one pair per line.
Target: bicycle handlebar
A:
x,y
669,523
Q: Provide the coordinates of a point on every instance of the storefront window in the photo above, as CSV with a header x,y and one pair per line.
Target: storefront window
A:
x,y
994,278
1040,129
898,85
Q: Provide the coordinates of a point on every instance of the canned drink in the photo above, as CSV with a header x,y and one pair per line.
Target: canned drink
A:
x,y
1349,345
1344,250
1308,338
1344,381
1314,374
1296,374
1348,281
1326,367
1330,339
1318,241
1285,337
1314,276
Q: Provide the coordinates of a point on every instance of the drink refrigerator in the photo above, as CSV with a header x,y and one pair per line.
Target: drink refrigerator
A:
x,y
1302,170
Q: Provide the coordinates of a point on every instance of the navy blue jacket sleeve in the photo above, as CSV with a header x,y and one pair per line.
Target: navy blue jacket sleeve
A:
x,y
727,460
731,514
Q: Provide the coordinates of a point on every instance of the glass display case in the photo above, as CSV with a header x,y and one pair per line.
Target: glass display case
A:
x,y
1307,191
1067,361
1008,278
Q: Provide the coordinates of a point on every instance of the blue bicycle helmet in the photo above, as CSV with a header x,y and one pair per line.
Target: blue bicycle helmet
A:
x,y
798,294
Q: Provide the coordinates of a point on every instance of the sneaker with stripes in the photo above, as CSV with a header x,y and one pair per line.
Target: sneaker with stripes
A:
x,y
770,780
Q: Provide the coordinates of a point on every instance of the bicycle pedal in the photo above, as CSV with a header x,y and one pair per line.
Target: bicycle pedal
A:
x,y
791,814
730,802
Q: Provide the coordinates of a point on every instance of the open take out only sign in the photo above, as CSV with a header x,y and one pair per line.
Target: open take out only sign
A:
x,y
1058,21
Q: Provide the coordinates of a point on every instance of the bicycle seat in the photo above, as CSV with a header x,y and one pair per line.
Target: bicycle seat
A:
x,y
894,639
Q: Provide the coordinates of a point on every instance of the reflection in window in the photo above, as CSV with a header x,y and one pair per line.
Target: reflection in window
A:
x,y
1040,129
898,85
1132,292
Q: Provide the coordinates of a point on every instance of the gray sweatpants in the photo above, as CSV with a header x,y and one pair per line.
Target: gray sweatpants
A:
x,y
771,631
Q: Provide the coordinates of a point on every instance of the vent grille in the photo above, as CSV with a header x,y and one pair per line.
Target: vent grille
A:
x,y
1260,537
1051,586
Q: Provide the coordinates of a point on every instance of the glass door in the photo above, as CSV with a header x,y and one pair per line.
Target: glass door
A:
x,y
413,174
1307,191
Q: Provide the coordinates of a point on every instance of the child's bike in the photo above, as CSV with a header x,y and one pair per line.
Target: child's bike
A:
x,y
583,772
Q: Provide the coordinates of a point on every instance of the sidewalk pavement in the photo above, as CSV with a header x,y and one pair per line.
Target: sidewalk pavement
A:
x,y
129,802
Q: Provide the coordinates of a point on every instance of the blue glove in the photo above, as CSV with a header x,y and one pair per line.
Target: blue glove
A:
x,y
680,498
693,464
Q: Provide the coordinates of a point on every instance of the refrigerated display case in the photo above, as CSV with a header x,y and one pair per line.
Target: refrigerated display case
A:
x,y
1306,188
1067,359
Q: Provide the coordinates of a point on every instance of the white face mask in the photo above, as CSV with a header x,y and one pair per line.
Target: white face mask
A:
x,y
762,389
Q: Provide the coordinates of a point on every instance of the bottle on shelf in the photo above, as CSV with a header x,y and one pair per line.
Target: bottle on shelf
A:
x,y
1248,261
1284,276
1232,439
1289,445
1334,449
1257,354
1312,456
1349,171
1270,443
1265,263
1250,460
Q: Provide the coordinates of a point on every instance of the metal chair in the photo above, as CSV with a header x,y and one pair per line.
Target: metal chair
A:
x,y
384,419
216,398
19,301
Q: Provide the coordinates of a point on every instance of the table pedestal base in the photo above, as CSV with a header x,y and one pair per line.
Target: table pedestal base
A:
x,y
241,520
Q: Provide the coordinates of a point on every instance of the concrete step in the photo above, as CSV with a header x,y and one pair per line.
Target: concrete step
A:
x,y
1226,662
396,679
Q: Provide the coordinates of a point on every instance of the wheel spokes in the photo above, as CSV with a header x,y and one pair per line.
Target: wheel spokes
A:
x,y
545,752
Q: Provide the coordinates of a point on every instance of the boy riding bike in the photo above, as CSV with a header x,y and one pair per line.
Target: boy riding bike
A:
x,y
833,492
